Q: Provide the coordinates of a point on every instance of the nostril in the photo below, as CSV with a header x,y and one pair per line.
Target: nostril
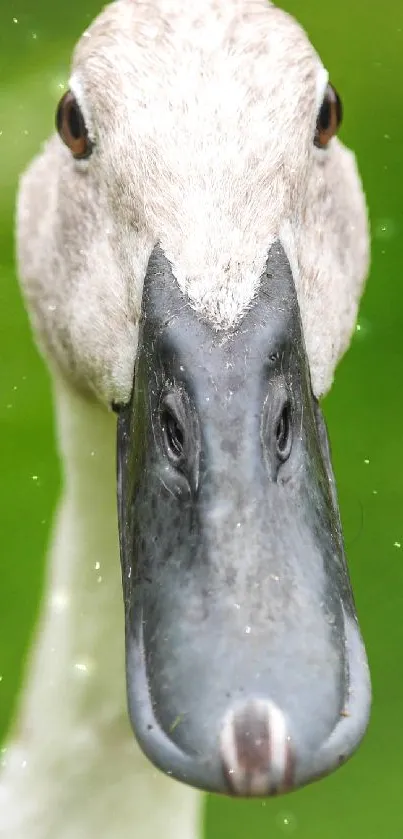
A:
x,y
173,434
173,420
284,433
256,751
277,427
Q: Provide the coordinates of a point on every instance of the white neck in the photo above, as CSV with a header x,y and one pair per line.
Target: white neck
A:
x,y
75,771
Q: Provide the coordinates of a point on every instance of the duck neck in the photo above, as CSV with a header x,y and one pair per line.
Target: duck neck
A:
x,y
76,698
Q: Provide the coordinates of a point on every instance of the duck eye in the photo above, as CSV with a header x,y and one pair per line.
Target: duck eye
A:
x,y
71,126
329,118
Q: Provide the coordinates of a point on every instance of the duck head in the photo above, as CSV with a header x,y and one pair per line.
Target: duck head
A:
x,y
201,266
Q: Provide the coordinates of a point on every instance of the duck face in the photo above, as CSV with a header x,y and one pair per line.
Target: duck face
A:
x,y
198,263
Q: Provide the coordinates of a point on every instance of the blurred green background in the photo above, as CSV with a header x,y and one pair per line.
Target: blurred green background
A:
x,y
361,43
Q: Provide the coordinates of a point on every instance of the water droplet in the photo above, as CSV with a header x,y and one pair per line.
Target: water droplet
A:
x,y
366,461
60,600
34,477
97,566
1,678
238,524
248,630
385,229
287,822
99,580
397,544
57,85
81,667
237,605
362,329
24,764
15,19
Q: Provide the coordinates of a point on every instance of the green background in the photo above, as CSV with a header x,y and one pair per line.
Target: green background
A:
x,y
361,42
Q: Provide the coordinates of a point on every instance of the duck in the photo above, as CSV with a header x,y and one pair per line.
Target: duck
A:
x,y
192,245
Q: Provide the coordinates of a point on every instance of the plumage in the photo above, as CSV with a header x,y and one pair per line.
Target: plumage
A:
x,y
202,117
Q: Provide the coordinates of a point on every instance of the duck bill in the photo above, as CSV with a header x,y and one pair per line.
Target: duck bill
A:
x,y
246,672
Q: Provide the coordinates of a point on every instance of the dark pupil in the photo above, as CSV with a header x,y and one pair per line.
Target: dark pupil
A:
x,y
173,433
283,430
75,122
325,115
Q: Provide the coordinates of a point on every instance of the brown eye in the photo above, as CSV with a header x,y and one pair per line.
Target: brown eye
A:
x,y
71,126
329,118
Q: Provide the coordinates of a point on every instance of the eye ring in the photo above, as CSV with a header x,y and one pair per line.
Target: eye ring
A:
x,y
329,118
70,124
